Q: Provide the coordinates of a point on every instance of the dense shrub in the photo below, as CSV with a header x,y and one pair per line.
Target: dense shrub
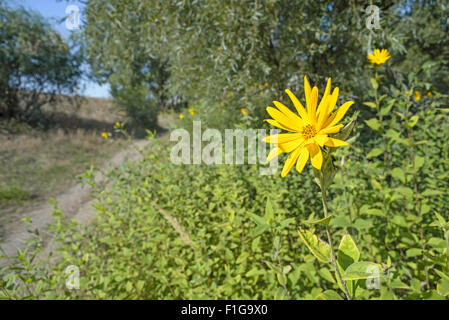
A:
x,y
36,63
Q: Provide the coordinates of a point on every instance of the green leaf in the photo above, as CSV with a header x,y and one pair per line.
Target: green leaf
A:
x,y
413,252
374,153
443,287
419,162
374,83
412,121
385,110
362,270
324,221
348,253
320,249
398,174
269,213
258,219
345,132
328,295
370,104
374,124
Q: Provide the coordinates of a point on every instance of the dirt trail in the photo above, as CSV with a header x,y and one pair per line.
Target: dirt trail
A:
x,y
76,203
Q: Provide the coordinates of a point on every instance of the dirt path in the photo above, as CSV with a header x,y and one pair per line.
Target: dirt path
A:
x,y
76,204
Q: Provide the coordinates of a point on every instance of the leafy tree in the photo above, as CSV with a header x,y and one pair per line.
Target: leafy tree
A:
x,y
36,63
239,53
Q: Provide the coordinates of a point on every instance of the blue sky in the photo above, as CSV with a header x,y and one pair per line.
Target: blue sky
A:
x,y
56,10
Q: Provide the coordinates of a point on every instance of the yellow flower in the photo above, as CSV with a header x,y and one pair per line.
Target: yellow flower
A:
x,y
406,92
117,124
429,94
192,112
309,130
105,135
266,84
181,116
243,111
379,56
417,95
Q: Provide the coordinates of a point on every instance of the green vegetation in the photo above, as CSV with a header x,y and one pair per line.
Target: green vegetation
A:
x,y
36,64
166,231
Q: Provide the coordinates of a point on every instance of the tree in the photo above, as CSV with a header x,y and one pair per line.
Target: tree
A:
x,y
232,54
36,64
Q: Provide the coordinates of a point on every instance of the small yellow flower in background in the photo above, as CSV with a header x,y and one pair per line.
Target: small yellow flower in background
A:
x,y
243,111
105,135
191,111
379,56
117,124
181,116
429,94
266,84
309,130
417,95
406,92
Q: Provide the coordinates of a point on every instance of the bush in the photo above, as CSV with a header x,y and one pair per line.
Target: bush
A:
x,y
36,64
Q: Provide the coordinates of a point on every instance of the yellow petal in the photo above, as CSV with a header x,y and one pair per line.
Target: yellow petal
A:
x,y
316,157
283,119
282,138
290,162
274,153
321,139
323,103
339,114
329,130
331,142
289,114
277,124
302,160
299,107
307,91
311,109
291,145
322,111
332,101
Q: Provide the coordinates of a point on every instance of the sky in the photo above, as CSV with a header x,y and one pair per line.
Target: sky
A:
x,y
56,11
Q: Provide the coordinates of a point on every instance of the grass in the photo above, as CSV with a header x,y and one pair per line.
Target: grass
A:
x,y
37,163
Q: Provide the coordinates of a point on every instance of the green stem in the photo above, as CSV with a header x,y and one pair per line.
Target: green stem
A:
x,y
447,248
329,237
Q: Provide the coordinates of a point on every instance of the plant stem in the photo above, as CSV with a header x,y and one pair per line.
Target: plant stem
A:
x,y
328,233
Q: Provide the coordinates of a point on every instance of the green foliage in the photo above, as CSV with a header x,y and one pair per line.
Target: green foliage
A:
x,y
387,203
36,64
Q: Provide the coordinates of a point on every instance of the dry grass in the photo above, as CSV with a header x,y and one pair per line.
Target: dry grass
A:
x,y
37,164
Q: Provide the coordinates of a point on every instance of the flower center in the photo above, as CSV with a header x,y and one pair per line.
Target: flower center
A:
x,y
308,131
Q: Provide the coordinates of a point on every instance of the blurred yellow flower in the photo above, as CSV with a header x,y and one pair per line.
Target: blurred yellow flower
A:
x,y
309,130
429,94
105,135
379,56
117,124
181,116
417,95
266,84
243,111
406,92
191,111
